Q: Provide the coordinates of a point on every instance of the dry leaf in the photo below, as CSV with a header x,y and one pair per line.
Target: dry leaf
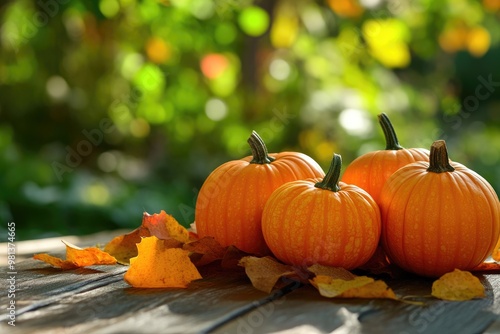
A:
x,y
458,285
161,225
164,226
77,257
208,249
158,266
358,287
231,258
333,272
377,289
333,287
264,272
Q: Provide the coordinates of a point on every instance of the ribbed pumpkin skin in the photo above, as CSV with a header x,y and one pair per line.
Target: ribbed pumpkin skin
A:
x,y
433,223
230,202
304,225
371,170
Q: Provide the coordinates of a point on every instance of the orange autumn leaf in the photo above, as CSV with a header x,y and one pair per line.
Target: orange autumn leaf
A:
x,y
161,225
264,272
358,287
164,226
158,266
77,257
458,286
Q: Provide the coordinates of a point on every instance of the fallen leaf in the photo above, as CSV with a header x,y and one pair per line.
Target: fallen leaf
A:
x,y
164,226
55,261
124,247
357,287
333,272
161,225
231,258
77,257
458,285
333,287
208,249
377,289
264,272
157,266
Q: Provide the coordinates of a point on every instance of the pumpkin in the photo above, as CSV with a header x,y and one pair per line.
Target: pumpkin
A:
x,y
370,170
322,221
438,216
230,202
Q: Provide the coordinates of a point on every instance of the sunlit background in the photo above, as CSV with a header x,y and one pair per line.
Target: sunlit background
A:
x,y
109,108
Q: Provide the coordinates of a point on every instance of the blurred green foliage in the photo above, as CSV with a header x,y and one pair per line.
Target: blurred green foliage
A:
x,y
110,108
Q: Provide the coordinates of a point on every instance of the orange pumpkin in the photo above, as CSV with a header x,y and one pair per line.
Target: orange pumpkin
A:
x,y
230,202
322,221
438,216
371,170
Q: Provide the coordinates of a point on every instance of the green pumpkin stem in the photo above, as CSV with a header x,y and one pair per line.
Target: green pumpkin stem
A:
x,y
391,140
259,150
438,159
331,180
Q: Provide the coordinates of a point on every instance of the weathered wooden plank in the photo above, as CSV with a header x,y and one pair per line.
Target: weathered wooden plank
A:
x,y
36,281
304,311
26,248
91,300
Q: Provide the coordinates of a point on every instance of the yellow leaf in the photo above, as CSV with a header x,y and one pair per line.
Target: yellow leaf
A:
x,y
458,285
333,272
264,272
157,266
161,225
357,287
334,287
377,289
77,257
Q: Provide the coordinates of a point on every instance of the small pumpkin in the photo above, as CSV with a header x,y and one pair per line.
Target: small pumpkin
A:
x,y
230,202
322,221
438,216
370,170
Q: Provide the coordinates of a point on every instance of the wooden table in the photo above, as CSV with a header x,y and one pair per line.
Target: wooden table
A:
x,y
97,300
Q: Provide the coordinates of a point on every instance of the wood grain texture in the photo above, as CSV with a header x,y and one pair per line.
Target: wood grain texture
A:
x,y
304,311
97,300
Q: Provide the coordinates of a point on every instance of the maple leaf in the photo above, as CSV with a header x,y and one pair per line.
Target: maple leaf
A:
x,y
77,257
458,286
264,272
158,265
161,225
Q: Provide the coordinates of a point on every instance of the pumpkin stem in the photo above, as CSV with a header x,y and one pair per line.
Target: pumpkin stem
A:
x,y
438,159
391,140
259,150
331,180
